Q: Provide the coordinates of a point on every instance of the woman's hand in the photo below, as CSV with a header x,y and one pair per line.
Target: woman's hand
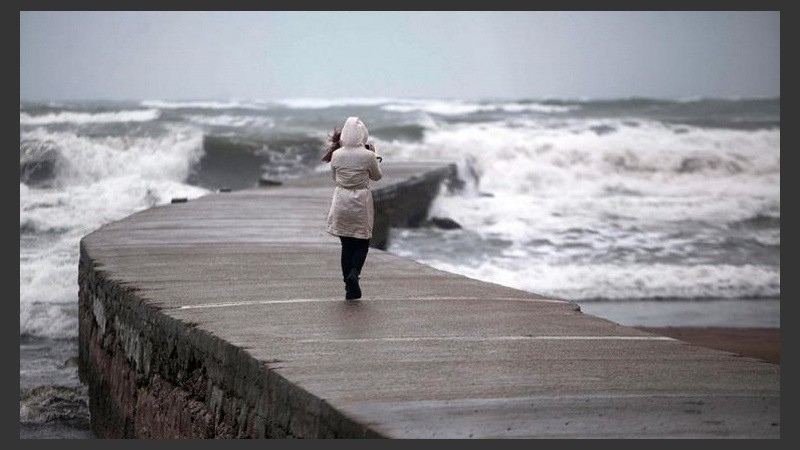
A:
x,y
371,147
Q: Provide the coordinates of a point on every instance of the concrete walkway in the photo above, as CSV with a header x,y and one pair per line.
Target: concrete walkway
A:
x,y
425,353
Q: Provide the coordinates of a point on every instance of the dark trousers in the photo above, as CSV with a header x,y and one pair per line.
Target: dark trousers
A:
x,y
354,253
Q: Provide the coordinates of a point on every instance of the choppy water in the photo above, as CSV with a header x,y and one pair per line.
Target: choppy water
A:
x,y
615,204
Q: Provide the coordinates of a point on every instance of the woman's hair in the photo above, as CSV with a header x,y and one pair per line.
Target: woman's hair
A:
x,y
334,142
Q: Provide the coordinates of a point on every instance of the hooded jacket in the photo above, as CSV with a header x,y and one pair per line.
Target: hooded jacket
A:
x,y
353,167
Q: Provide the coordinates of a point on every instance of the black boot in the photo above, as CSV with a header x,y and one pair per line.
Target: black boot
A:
x,y
352,289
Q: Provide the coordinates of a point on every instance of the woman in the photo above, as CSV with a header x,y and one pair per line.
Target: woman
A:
x,y
353,164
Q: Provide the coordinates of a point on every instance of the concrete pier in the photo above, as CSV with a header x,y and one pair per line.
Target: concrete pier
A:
x,y
224,317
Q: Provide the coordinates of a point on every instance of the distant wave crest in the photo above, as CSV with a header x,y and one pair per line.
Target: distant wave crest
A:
x,y
143,115
210,104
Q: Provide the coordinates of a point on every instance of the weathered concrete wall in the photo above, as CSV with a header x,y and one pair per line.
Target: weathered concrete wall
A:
x,y
406,204
151,376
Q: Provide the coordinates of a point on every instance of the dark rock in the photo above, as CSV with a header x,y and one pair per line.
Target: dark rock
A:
x,y
444,223
179,200
265,182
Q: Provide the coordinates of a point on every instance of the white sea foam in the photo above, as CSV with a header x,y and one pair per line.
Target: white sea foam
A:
x,y
441,107
98,180
536,107
139,115
768,237
624,281
459,107
324,103
225,120
626,188
647,171
204,104
51,320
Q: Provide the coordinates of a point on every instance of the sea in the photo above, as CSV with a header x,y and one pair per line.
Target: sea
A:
x,y
651,212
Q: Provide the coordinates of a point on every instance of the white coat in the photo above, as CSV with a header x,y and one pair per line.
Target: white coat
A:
x,y
352,213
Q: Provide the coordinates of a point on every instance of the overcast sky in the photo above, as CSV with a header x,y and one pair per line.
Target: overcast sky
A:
x,y
269,55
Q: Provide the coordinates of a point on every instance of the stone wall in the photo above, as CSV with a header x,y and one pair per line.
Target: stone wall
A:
x,y
151,376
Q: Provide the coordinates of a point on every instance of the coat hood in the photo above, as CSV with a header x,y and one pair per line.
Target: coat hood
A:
x,y
354,133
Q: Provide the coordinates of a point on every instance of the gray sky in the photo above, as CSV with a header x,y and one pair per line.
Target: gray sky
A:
x,y
270,55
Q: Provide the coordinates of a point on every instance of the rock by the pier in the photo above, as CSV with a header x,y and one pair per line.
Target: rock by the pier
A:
x,y
443,223
266,182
